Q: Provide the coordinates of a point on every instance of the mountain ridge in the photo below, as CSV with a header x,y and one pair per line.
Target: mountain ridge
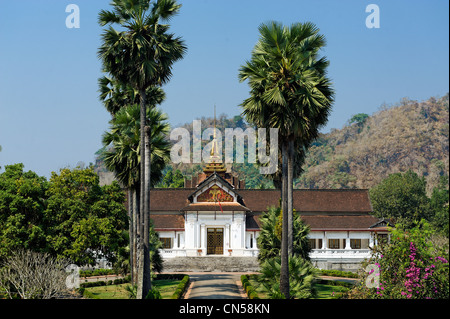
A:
x,y
409,135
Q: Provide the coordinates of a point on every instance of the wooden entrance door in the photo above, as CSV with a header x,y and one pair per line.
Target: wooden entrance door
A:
x,y
215,241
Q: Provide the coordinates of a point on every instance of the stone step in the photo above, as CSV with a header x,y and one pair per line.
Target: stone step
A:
x,y
211,264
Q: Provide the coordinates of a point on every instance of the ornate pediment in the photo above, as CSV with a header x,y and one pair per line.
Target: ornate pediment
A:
x,y
215,189
215,194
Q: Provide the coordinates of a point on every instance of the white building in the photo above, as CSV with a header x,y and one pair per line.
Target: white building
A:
x,y
219,217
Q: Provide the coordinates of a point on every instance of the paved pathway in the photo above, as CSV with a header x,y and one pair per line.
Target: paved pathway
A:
x,y
215,286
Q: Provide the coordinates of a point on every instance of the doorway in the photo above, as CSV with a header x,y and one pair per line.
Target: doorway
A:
x,y
215,241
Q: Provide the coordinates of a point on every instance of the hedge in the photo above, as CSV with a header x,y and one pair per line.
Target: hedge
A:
x,y
97,272
181,288
251,292
117,281
338,273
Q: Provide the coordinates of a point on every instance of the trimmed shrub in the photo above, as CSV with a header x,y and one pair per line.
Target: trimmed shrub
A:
x,y
181,288
251,292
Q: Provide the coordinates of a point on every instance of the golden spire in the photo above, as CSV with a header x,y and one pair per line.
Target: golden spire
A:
x,y
214,146
214,164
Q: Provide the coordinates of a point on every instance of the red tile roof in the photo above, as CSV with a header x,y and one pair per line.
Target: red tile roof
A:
x,y
167,222
311,200
332,201
169,199
340,222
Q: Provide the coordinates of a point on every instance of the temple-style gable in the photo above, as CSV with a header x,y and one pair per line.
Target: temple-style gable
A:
x,y
215,189
215,194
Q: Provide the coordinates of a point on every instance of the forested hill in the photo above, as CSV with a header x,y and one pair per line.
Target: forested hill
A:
x,y
409,135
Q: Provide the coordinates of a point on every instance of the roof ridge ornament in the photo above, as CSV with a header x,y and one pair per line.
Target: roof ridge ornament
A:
x,y
214,164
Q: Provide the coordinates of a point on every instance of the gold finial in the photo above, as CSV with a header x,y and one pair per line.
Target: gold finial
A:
x,y
214,164
213,148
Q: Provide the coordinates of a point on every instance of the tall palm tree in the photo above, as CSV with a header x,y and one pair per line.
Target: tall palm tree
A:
x,y
289,90
142,55
115,95
121,156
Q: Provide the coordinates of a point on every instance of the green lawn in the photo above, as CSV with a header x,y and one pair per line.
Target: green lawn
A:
x,y
329,291
166,287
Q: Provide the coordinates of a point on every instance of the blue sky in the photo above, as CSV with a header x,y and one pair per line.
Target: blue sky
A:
x,y
51,117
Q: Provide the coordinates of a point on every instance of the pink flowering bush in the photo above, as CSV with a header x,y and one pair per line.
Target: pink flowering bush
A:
x,y
408,267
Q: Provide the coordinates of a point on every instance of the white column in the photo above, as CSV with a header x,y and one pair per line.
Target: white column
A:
x,y
324,241
371,240
190,235
197,236
202,236
227,236
243,233
175,240
347,242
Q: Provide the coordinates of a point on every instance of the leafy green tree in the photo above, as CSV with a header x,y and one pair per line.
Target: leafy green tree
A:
x,y
401,198
155,255
408,267
141,56
269,240
439,205
84,220
359,119
172,179
289,90
22,205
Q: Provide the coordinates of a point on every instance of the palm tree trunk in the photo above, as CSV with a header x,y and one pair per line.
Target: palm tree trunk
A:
x,y
284,274
136,243
144,265
290,203
137,229
131,229
147,263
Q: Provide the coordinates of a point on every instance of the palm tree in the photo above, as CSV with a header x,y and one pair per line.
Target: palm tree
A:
x,y
121,155
302,275
269,240
115,95
289,90
142,56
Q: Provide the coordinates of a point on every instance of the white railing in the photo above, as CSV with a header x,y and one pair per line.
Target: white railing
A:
x,y
171,253
253,252
339,253
326,253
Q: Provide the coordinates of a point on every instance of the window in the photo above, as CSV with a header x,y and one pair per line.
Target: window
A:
x,y
312,243
166,243
355,243
333,243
